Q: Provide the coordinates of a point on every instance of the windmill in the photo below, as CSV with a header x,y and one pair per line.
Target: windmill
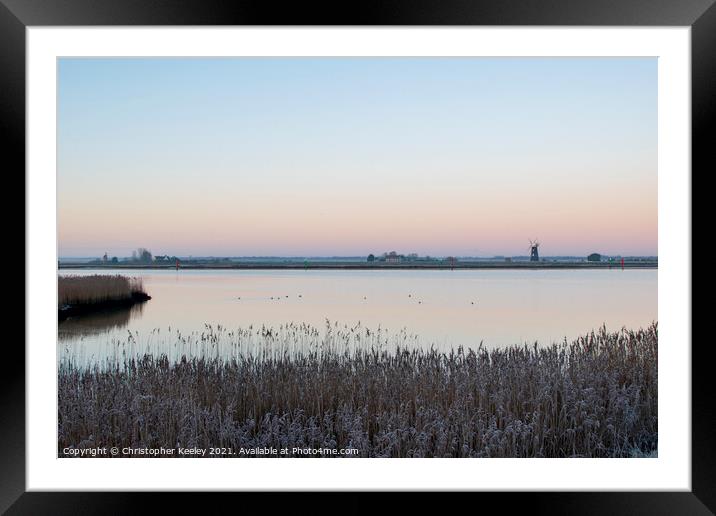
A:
x,y
534,255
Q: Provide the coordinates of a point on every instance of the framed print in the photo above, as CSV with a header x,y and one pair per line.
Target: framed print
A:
x,y
444,249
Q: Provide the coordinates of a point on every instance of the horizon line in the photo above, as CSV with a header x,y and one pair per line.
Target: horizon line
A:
x,y
366,255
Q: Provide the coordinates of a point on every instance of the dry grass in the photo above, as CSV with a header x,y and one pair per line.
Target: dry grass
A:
x,y
594,397
83,290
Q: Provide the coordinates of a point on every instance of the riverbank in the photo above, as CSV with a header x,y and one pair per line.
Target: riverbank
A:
x,y
66,311
594,397
81,295
368,266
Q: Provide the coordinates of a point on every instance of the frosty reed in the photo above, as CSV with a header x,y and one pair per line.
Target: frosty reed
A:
x,y
85,290
593,397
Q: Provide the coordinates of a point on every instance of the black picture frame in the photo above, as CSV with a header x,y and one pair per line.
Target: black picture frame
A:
x,y
700,15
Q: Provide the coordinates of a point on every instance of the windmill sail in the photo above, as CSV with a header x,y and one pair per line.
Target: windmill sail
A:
x,y
534,253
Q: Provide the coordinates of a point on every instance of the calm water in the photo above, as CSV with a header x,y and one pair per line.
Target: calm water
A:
x,y
443,308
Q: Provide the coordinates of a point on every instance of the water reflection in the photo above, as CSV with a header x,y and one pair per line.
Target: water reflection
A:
x,y
98,323
443,308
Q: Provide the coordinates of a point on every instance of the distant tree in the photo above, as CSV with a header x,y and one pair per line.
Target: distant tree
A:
x,y
371,258
114,259
142,255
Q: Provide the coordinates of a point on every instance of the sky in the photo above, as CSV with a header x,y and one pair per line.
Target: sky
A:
x,y
351,156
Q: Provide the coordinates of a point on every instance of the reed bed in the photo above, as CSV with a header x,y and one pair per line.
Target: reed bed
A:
x,y
86,290
593,397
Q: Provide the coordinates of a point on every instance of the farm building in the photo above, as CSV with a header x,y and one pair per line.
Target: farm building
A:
x,y
393,257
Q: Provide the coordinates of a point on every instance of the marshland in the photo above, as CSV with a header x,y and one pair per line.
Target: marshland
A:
x,y
350,388
445,308
82,294
391,363
347,255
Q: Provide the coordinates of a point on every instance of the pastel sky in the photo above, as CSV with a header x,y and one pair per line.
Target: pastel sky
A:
x,y
348,156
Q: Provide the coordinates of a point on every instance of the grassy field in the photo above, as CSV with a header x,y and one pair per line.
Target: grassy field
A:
x,y
84,290
593,397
